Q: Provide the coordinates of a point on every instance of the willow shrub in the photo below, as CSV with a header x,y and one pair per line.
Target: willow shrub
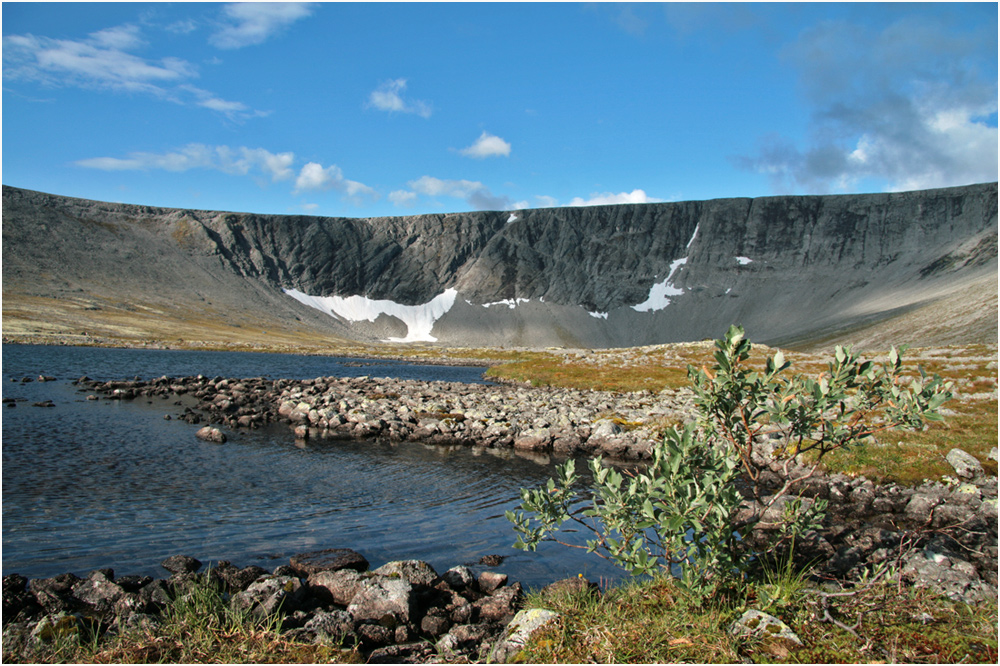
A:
x,y
706,486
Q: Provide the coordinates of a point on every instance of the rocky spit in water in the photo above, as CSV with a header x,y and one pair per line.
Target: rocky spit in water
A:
x,y
944,534
939,535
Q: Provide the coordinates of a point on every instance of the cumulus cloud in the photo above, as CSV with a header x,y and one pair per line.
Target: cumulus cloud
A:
x,y
403,197
315,177
905,106
487,145
251,23
474,193
389,97
239,161
635,196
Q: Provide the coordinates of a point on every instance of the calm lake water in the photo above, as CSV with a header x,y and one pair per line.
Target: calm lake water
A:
x,y
90,484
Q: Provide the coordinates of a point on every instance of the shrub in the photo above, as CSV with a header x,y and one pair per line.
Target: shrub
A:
x,y
707,486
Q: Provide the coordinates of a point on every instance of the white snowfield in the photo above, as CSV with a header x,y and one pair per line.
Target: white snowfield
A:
x,y
509,302
419,319
661,292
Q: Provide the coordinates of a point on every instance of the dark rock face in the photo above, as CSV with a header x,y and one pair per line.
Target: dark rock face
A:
x,y
785,267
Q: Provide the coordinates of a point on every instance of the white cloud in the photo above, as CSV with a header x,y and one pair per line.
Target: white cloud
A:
x,y
99,61
905,106
250,23
403,197
633,197
314,177
102,61
545,201
388,97
240,161
487,145
476,195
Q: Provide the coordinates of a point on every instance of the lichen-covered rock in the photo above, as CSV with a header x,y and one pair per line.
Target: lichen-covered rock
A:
x,y
965,464
415,572
522,627
765,627
381,598
270,596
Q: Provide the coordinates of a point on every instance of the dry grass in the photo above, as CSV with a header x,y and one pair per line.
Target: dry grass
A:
x,y
653,622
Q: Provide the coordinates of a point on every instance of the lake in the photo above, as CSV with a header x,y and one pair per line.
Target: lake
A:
x,y
93,484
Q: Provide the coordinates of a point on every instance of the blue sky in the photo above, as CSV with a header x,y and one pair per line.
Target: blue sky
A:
x,y
375,109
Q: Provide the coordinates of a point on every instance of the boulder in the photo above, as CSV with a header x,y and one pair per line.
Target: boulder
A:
x,y
501,606
269,596
210,434
765,627
386,600
490,581
181,564
965,464
338,587
331,559
415,572
525,624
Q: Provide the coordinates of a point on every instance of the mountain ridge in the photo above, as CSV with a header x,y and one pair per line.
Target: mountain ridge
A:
x,y
787,267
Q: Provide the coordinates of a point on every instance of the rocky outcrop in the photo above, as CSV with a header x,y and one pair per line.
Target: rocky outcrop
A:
x,y
787,268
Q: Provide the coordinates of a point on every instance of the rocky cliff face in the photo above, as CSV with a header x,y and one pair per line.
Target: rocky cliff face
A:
x,y
788,268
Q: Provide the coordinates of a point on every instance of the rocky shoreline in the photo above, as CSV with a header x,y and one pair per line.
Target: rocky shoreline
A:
x,y
403,611
939,535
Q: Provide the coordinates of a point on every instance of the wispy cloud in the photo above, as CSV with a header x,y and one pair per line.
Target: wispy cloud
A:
x,y
474,193
251,23
389,97
635,196
905,106
240,161
102,61
487,145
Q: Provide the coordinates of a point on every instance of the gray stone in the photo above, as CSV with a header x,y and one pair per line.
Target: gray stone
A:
x,y
331,559
331,626
181,564
380,597
338,587
415,572
459,578
270,596
210,434
491,580
965,464
760,625
525,624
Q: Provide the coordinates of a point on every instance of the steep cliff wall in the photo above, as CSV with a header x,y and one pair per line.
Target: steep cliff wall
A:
x,y
788,268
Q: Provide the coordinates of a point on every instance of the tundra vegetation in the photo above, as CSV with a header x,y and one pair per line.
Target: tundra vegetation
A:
x,y
705,505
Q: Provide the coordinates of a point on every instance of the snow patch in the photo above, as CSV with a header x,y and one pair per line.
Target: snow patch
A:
x,y
419,319
509,302
512,218
661,293
598,315
743,261
693,236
